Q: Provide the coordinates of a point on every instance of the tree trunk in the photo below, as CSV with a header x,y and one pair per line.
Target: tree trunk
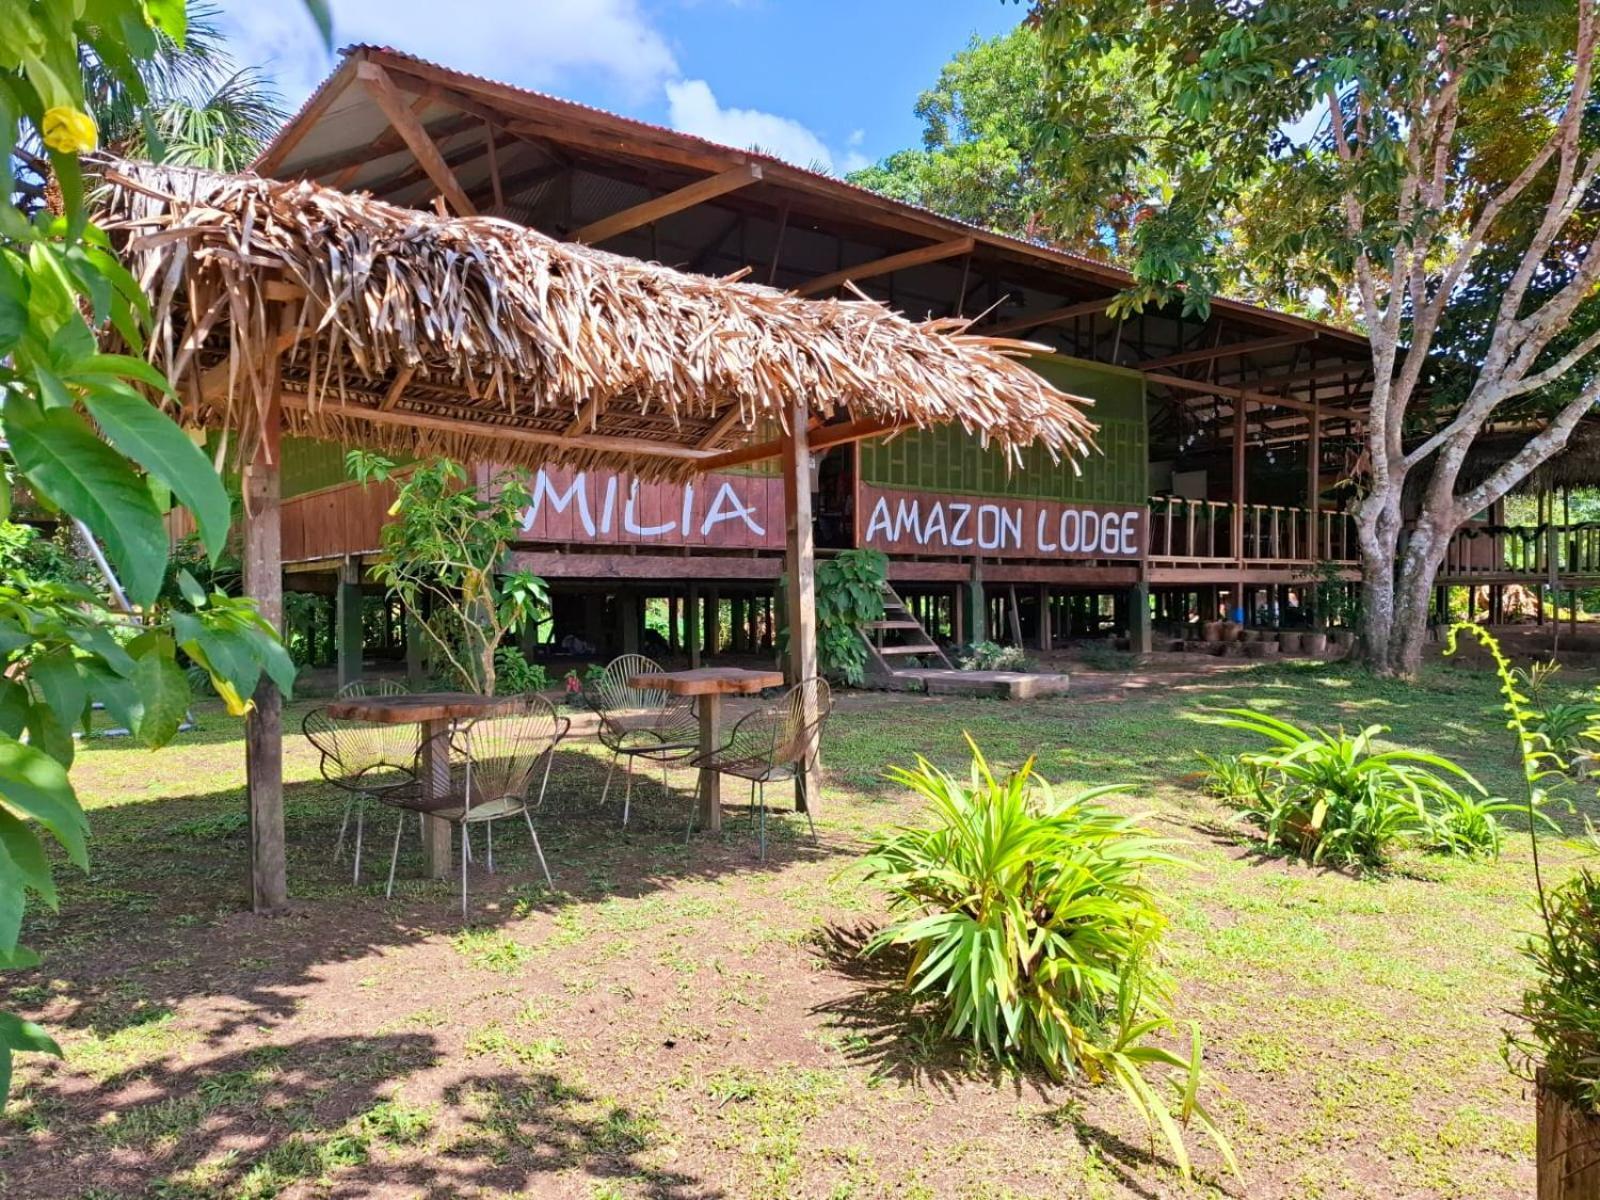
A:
x,y
1397,584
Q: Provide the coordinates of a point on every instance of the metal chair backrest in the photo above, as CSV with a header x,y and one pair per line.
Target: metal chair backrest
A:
x,y
612,693
357,688
798,719
495,758
356,748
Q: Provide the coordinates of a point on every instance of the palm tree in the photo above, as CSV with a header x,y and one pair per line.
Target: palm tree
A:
x,y
199,109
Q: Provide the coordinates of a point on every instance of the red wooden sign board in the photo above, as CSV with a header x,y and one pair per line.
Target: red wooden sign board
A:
x,y
901,522
730,512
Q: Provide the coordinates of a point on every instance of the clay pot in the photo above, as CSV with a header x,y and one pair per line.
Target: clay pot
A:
x,y
1211,631
1315,644
1261,648
1568,1149
1231,631
1289,642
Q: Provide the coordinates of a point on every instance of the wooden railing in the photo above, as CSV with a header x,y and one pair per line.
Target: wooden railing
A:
x,y
1201,531
1524,551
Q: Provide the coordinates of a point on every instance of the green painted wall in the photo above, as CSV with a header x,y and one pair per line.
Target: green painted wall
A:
x,y
947,459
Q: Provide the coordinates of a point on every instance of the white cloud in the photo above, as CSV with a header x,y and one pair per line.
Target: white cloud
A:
x,y
693,108
853,159
526,42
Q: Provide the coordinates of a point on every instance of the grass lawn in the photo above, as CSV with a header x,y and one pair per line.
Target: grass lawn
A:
x,y
688,1022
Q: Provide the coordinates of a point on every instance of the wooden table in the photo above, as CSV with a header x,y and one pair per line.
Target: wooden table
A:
x,y
709,685
436,712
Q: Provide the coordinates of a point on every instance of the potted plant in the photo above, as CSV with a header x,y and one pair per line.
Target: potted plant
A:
x,y
1290,641
1560,1048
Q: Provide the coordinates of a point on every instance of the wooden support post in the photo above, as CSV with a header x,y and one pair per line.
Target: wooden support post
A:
x,y
692,625
800,575
1139,641
977,608
713,636
1046,639
263,725
1240,408
628,615
958,616
347,622
672,623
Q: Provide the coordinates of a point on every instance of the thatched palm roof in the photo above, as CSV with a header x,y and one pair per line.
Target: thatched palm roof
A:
x,y
485,340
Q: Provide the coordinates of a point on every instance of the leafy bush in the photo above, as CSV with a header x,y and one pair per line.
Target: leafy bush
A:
x,y
1228,777
1033,927
1331,797
849,596
514,675
1566,726
990,656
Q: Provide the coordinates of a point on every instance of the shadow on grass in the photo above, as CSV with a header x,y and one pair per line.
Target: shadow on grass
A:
x,y
323,1112
161,917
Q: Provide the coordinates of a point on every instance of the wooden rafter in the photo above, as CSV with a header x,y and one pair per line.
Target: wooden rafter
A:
x,y
922,255
1251,395
1224,350
423,147
658,207
1050,316
724,423
586,416
469,424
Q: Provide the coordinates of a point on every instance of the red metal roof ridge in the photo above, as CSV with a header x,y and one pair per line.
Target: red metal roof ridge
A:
x,y
1065,257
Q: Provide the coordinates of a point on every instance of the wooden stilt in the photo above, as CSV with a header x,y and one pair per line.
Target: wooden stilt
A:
x,y
263,726
347,623
693,623
800,571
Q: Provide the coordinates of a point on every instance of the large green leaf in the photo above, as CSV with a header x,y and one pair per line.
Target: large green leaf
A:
x,y
34,785
28,865
63,459
148,436
164,693
61,683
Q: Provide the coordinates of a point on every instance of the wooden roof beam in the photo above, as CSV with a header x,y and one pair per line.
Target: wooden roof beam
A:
x,y
655,209
1224,350
466,425
1050,316
1249,394
423,148
921,256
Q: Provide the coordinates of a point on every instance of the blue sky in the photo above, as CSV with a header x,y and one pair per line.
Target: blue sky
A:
x,y
815,81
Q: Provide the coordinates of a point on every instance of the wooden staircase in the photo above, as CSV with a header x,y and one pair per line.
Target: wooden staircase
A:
x,y
897,637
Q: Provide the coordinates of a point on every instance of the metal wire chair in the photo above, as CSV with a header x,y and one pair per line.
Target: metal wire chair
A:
x,y
362,759
648,723
774,743
492,765
357,688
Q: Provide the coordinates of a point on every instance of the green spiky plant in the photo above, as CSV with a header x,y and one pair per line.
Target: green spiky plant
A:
x,y
1560,1047
1033,927
1332,796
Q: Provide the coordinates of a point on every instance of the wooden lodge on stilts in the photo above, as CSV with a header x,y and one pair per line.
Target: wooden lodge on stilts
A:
x,y
696,351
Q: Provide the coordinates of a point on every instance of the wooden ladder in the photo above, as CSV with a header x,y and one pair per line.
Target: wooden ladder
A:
x,y
898,623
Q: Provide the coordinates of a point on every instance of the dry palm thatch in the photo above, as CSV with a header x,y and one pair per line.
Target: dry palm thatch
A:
x,y
480,339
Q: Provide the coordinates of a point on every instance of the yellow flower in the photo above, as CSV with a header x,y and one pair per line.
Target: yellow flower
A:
x,y
68,130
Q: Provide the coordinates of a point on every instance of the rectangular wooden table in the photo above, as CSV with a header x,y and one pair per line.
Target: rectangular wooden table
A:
x,y
437,713
708,685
